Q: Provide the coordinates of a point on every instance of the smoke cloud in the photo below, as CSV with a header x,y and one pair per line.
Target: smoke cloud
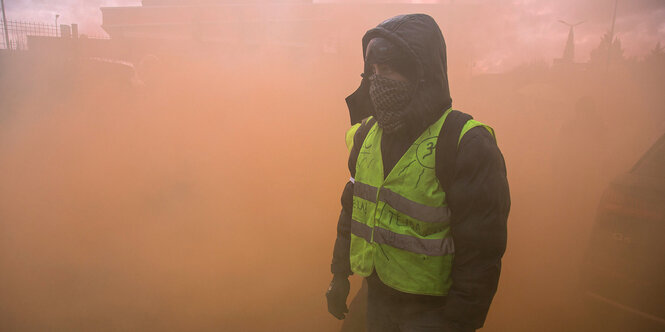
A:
x,y
201,192
504,33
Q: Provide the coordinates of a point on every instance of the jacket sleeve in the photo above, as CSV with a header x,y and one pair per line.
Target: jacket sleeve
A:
x,y
479,201
341,262
341,253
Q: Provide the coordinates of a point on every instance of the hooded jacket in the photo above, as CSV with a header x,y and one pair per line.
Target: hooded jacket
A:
x,y
419,37
477,194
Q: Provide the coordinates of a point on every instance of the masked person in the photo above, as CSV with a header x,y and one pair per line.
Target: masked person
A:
x,y
424,214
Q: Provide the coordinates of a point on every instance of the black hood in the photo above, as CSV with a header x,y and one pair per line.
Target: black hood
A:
x,y
420,37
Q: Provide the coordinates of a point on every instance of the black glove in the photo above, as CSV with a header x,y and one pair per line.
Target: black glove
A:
x,y
336,295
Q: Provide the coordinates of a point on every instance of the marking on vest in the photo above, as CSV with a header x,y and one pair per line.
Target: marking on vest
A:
x,y
365,162
403,222
425,152
360,206
405,167
430,147
419,176
384,253
383,209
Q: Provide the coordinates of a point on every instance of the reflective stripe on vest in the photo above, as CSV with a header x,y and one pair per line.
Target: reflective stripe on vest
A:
x,y
430,247
401,222
402,204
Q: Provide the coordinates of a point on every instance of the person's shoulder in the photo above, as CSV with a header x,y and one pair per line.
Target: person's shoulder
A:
x,y
478,133
476,127
478,145
460,126
359,129
476,137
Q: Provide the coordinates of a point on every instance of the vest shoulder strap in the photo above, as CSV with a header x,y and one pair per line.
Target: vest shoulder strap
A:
x,y
350,134
446,146
358,139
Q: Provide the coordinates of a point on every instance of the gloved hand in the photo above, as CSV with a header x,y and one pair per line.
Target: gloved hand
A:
x,y
336,295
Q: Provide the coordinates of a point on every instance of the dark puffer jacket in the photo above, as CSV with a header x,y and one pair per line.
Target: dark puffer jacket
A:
x,y
477,190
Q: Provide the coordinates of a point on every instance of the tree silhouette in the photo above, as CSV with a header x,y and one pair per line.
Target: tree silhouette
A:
x,y
605,53
658,51
656,59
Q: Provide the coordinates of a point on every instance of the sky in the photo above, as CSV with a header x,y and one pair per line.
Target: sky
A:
x,y
517,31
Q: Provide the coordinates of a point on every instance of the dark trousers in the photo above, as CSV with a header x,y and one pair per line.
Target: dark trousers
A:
x,y
389,310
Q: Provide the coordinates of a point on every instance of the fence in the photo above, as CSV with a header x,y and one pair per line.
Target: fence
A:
x,y
18,33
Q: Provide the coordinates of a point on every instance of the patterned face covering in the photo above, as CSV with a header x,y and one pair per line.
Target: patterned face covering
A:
x,y
390,98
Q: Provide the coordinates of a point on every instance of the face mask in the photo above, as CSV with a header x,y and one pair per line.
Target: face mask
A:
x,y
390,98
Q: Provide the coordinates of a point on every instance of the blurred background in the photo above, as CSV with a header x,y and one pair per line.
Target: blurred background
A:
x,y
172,165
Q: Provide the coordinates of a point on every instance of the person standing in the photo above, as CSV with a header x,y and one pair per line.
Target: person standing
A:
x,y
424,215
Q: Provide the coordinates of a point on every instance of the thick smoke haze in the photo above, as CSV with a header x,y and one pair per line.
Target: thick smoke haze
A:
x,y
83,12
506,32
201,191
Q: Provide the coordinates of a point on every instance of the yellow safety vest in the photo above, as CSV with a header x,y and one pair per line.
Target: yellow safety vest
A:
x,y
401,222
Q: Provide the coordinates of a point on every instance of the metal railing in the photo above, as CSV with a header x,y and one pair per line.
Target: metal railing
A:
x,y
19,31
